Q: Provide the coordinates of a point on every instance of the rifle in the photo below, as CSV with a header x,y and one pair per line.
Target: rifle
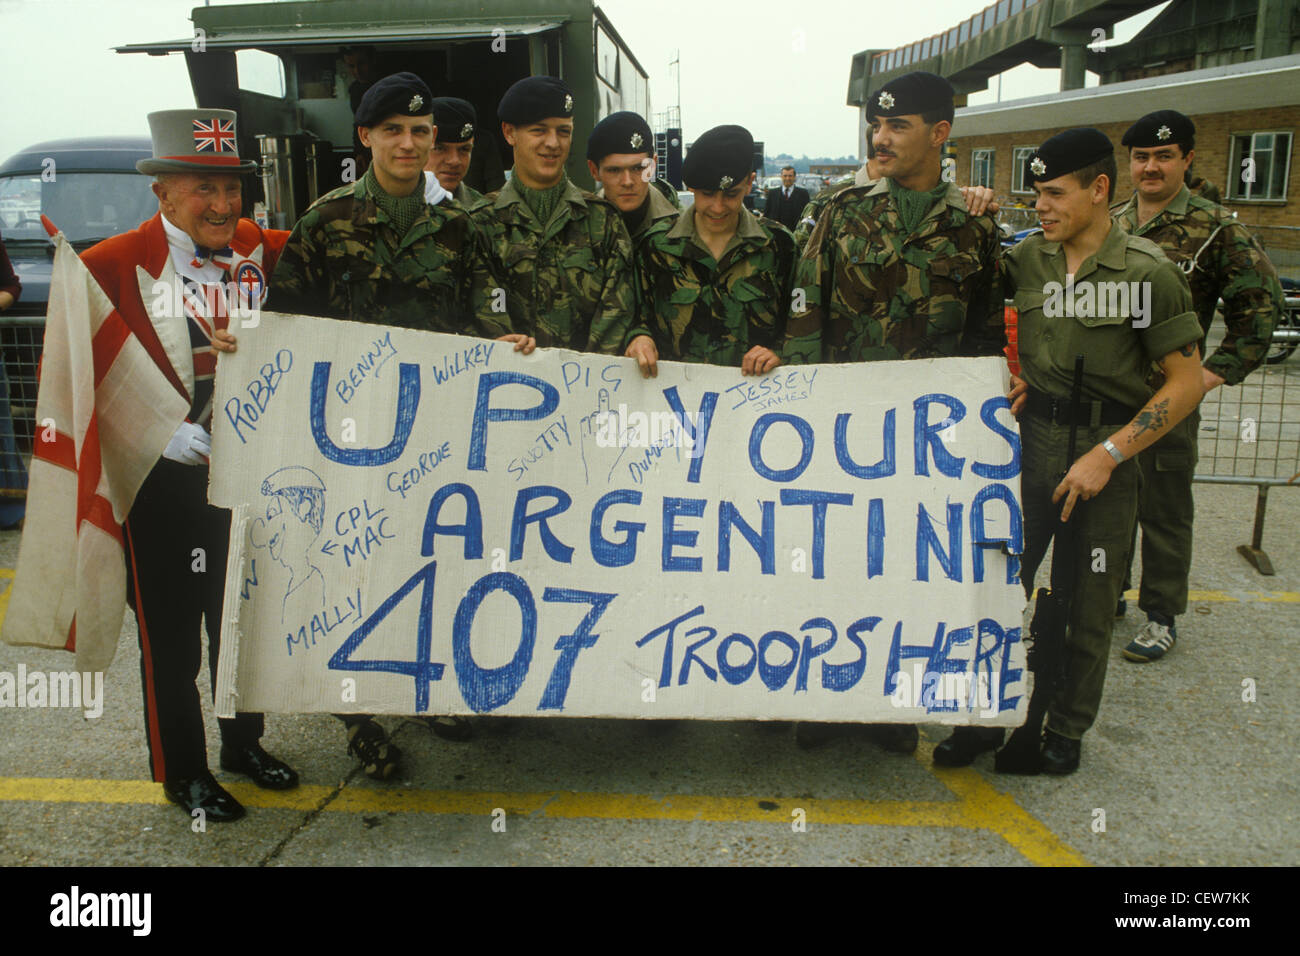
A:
x,y
1052,606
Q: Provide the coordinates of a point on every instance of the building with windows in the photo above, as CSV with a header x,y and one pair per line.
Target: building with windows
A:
x,y
1233,66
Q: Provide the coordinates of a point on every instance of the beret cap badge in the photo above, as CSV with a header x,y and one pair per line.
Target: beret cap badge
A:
x,y
885,100
568,102
1038,166
467,130
636,140
416,102
725,182
1164,133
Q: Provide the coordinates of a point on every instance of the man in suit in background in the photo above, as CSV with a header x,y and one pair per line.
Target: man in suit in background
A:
x,y
785,204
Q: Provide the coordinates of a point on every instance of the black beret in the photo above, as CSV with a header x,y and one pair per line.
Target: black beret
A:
x,y
1161,128
916,92
1067,151
403,94
719,158
622,132
455,119
535,98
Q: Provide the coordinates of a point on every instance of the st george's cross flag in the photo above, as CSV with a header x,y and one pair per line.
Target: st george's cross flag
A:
x,y
104,415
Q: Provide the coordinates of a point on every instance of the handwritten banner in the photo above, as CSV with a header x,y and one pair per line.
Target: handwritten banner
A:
x,y
427,523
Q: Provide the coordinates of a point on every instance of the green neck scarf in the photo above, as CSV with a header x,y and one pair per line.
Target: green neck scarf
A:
x,y
402,211
541,201
914,206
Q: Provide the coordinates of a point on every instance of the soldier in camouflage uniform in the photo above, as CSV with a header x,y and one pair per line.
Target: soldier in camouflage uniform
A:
x,y
376,251
368,253
620,158
562,255
979,199
449,159
1220,259
715,278
899,269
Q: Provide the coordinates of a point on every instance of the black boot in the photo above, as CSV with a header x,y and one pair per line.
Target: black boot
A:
x,y
967,743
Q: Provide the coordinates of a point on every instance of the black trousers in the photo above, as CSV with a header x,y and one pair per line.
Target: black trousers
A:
x,y
176,546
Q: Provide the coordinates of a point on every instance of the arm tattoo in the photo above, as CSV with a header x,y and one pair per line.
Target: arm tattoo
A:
x,y
1152,418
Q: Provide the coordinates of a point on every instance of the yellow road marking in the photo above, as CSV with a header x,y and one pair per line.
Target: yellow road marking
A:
x,y
978,806
1267,597
986,808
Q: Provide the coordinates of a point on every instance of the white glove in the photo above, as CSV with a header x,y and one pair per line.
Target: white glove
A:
x,y
191,445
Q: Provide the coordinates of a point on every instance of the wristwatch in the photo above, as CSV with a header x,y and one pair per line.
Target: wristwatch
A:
x,y
1114,452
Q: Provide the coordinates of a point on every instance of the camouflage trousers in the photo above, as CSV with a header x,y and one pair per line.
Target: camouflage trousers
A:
x,y
1165,511
1105,533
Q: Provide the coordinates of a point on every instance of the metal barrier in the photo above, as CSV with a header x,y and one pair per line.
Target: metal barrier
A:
x,y
21,339
1250,435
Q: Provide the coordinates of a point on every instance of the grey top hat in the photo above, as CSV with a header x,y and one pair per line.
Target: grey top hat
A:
x,y
194,141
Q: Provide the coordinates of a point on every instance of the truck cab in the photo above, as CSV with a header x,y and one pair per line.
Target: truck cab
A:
x,y
290,71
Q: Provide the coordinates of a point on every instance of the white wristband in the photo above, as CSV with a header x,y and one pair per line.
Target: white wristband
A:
x,y
1114,452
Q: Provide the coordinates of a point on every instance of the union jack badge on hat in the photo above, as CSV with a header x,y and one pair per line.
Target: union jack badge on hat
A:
x,y
194,141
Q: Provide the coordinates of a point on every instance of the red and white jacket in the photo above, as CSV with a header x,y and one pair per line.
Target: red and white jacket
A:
x,y
116,376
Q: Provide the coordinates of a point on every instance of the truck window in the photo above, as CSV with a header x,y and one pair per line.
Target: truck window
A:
x,y
260,72
83,205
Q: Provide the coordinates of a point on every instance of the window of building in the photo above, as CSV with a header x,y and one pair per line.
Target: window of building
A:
x,y
981,167
1260,167
1019,157
606,57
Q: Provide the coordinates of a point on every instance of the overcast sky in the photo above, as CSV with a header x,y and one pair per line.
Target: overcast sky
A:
x,y
778,67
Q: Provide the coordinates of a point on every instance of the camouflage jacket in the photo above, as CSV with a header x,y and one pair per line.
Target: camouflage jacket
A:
x,y
345,261
869,291
811,212
567,282
465,195
1221,260
661,208
703,310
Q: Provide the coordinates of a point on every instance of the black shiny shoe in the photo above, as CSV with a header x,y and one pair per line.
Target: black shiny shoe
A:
x,y
204,793
895,738
967,743
1060,754
380,759
263,769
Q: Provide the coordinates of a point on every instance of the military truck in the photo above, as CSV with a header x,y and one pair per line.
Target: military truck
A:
x,y
474,49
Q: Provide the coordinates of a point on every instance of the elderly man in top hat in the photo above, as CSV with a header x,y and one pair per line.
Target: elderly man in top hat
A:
x,y
199,245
